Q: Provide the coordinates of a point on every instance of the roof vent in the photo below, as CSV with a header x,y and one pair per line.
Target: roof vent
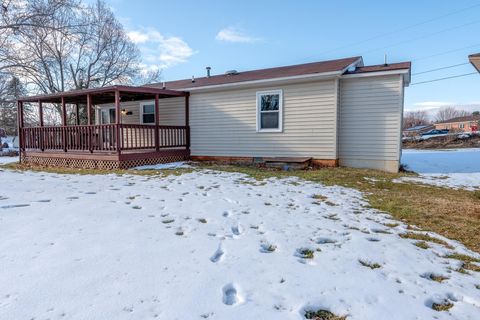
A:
x,y
208,71
231,72
193,78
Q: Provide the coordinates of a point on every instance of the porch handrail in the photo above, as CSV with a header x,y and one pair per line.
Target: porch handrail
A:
x,y
103,137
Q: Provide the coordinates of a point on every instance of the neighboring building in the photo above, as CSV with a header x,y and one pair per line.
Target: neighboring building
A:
x,y
336,112
460,124
417,130
475,60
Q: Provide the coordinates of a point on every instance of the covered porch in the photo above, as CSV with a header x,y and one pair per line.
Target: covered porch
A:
x,y
101,140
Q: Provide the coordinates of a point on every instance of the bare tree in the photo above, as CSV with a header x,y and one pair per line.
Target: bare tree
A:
x,y
415,118
76,47
447,113
10,89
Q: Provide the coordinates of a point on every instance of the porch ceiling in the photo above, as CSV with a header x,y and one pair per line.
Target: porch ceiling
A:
x,y
105,95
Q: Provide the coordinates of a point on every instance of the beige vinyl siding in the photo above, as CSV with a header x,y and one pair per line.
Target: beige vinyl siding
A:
x,y
171,113
171,110
370,121
223,123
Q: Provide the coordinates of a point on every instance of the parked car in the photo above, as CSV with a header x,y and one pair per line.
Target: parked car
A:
x,y
435,132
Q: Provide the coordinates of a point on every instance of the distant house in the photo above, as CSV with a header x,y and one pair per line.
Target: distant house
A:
x,y
461,124
336,112
417,130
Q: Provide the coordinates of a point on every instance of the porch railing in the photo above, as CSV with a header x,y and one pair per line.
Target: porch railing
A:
x,y
103,137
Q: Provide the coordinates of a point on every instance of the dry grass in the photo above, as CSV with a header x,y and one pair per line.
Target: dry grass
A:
x,y
371,265
322,315
443,306
454,214
424,237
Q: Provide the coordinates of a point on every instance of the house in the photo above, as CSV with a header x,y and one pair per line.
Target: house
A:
x,y
336,112
475,60
460,124
417,130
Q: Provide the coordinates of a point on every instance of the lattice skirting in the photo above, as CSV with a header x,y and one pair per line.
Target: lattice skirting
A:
x,y
101,164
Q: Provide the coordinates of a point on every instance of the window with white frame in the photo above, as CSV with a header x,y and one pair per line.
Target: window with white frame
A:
x,y
148,112
269,111
462,126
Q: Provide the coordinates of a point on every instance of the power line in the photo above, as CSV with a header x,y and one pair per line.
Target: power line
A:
x,y
445,78
441,68
424,36
394,31
404,28
446,52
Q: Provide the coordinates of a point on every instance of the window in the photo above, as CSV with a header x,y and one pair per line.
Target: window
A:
x,y
461,126
269,111
148,112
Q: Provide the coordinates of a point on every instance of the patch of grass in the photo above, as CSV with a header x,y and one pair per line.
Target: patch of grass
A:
x,y
437,277
461,257
391,225
305,253
454,214
322,315
442,306
167,221
424,237
136,207
471,266
202,220
371,265
477,286
422,244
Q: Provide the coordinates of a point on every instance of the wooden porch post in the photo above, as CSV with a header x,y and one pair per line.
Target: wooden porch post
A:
x,y
20,128
40,112
41,134
89,109
157,115
64,124
89,122
187,119
118,120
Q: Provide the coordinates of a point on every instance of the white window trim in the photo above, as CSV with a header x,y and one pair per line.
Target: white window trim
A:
x,y
141,111
280,110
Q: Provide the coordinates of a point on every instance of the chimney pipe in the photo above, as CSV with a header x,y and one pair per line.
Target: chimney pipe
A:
x,y
385,60
193,78
164,85
208,71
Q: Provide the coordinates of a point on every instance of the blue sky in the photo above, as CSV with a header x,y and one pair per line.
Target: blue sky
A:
x,y
183,37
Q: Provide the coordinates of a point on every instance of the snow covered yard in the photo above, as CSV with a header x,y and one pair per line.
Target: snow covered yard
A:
x,y
215,245
455,168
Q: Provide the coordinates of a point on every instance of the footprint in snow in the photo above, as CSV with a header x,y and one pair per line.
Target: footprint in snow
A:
x,y
231,295
15,206
218,255
237,230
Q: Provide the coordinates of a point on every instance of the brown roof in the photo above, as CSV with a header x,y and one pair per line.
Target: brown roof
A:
x,y
461,119
382,67
104,94
262,74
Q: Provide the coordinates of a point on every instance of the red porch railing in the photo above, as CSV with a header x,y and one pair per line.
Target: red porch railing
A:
x,y
103,137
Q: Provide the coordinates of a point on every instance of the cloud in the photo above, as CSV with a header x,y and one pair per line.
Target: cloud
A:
x,y
234,34
427,105
159,50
